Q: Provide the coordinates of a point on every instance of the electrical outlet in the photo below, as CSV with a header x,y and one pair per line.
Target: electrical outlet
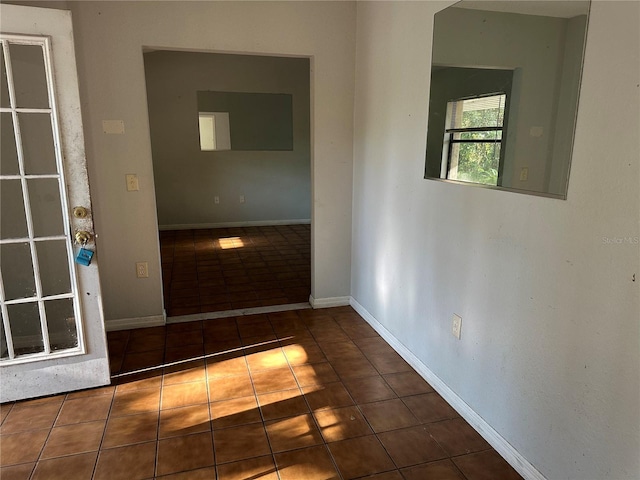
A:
x,y
241,198
456,325
142,270
216,200
524,174
132,182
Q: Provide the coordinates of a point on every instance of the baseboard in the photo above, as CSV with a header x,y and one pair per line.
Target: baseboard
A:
x,y
258,223
328,302
499,443
237,313
135,322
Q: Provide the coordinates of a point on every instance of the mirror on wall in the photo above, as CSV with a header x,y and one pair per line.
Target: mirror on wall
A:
x,y
245,121
505,82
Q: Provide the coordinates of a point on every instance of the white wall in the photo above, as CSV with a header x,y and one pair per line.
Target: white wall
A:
x,y
110,37
276,185
549,354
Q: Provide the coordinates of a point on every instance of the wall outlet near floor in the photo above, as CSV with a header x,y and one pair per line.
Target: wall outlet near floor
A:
x,y
216,200
456,325
142,270
524,174
241,198
132,182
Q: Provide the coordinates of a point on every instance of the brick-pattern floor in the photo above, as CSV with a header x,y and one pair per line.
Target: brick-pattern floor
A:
x,y
211,270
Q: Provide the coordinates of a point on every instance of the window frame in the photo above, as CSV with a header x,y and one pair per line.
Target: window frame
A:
x,y
449,141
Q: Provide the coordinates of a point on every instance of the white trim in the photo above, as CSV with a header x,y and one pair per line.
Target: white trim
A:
x,y
499,443
237,313
135,322
257,223
329,302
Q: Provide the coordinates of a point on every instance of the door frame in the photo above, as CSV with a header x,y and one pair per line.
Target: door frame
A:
x,y
310,99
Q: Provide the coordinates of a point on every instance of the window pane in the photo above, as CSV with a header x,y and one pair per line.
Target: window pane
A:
x,y
17,271
4,88
482,135
4,350
478,112
37,143
46,207
476,162
61,323
24,320
13,221
54,267
8,153
29,77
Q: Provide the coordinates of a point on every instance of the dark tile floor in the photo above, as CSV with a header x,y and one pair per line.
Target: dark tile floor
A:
x,y
212,270
297,395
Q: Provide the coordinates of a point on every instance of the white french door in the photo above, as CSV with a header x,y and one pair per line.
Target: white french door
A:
x,y
52,336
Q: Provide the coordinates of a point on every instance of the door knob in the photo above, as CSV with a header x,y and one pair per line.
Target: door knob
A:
x,y
82,237
80,212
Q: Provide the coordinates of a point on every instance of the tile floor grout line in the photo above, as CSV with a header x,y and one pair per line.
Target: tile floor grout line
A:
x,y
38,458
325,443
207,386
104,432
157,452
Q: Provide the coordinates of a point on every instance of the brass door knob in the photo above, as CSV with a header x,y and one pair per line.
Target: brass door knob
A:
x,y
82,237
80,212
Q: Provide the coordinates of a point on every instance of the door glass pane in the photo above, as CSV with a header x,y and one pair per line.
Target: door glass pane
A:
x,y
8,153
54,267
17,271
13,222
46,207
24,319
29,77
4,88
61,323
37,143
4,350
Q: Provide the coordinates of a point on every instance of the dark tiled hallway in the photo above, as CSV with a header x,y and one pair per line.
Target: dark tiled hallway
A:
x,y
211,270
297,395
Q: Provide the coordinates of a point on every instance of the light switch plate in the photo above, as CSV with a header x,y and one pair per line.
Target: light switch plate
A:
x,y
456,325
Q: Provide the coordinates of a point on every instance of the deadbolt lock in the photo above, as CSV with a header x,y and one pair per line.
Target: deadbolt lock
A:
x,y
80,212
82,237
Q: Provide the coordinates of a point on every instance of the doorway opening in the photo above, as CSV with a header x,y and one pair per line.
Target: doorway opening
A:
x,y
235,217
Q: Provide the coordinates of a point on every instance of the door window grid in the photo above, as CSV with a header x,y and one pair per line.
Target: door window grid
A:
x,y
11,356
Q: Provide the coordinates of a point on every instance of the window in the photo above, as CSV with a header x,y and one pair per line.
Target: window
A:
x,y
473,139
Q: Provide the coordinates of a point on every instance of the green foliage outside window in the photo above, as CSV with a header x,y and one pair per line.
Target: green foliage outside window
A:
x,y
478,162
